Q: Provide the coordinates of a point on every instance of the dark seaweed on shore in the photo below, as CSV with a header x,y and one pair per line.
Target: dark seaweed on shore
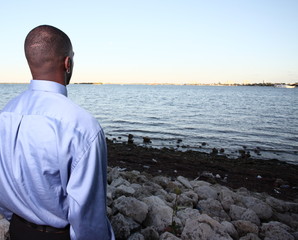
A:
x,y
277,178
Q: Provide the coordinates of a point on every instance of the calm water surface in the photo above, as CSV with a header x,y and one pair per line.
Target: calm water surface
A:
x,y
262,120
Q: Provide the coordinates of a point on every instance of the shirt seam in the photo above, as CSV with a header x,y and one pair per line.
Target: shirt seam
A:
x,y
88,146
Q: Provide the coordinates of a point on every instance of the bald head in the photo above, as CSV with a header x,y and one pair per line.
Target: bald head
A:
x,y
49,54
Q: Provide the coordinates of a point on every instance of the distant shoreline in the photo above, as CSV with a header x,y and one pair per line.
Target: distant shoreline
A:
x,y
174,84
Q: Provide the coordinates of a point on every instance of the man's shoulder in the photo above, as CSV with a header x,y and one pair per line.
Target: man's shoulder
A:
x,y
72,113
57,107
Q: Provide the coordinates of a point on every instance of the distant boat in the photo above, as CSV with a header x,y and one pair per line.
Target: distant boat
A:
x,y
284,86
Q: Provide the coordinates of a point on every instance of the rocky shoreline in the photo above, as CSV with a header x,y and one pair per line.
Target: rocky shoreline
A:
x,y
143,207
277,178
163,194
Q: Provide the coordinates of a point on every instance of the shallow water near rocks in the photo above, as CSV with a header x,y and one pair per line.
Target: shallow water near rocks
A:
x,y
260,120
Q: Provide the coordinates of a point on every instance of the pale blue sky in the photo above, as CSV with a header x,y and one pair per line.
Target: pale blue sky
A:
x,y
161,41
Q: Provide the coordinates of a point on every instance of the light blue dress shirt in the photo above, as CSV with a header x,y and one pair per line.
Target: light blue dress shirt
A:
x,y
53,161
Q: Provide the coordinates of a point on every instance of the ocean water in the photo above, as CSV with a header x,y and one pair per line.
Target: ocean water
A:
x,y
261,120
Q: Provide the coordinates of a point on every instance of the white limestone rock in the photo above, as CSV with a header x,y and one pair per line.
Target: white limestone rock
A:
x,y
136,236
113,173
230,229
204,227
187,213
123,226
262,209
287,218
132,208
199,183
159,215
240,213
173,186
227,198
250,236
123,190
214,209
132,176
243,227
150,233
276,231
4,227
277,204
168,236
187,199
184,181
119,181
205,192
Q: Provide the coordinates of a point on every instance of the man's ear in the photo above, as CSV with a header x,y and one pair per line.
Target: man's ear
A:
x,y
67,64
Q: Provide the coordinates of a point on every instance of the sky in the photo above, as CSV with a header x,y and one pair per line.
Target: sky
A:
x,y
160,41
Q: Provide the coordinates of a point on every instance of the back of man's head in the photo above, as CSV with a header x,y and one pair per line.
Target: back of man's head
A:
x,y
46,46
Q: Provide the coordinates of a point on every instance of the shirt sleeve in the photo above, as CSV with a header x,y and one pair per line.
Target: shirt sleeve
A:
x,y
87,194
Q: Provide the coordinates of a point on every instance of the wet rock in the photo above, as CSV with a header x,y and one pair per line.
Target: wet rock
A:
x,y
146,140
214,151
130,139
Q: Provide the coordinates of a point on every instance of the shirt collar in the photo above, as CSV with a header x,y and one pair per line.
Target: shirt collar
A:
x,y
48,86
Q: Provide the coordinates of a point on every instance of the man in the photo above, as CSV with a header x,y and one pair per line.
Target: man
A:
x,y
53,155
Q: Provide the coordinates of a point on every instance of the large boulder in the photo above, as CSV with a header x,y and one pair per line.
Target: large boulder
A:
x,y
132,208
205,192
276,231
159,215
123,226
187,199
262,209
4,227
150,233
204,227
185,182
168,236
214,209
243,227
250,236
240,213
187,213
